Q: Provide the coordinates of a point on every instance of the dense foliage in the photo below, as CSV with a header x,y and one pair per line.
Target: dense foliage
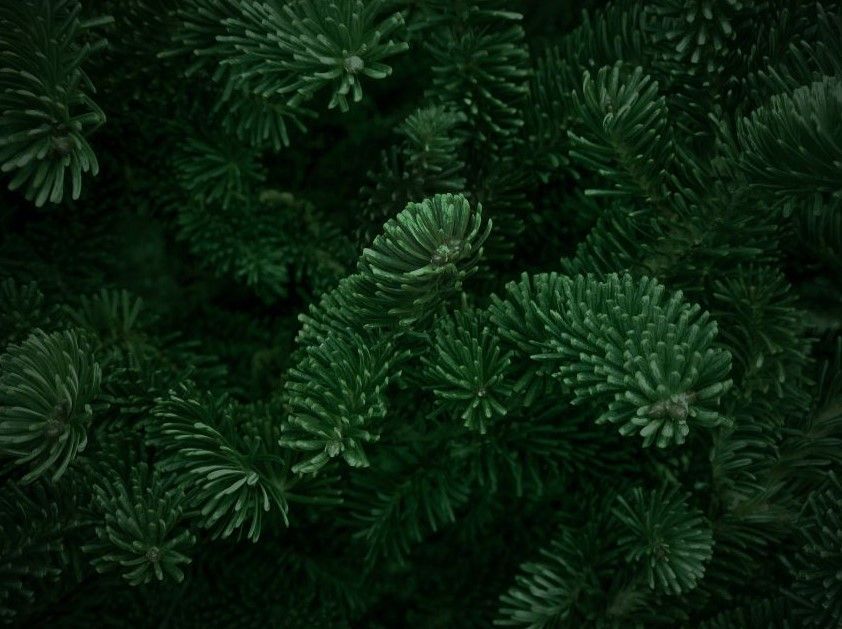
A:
x,y
428,313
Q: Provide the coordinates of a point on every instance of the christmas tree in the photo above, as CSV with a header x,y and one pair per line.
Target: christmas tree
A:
x,y
421,313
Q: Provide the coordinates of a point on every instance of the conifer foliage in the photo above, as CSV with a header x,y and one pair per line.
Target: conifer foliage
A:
x,y
426,313
48,109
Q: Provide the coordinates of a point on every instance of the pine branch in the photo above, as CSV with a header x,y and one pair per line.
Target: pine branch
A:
x,y
648,358
48,386
139,534
790,148
467,370
45,98
231,471
625,134
336,397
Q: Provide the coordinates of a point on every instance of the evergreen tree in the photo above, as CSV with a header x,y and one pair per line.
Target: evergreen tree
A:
x,y
434,313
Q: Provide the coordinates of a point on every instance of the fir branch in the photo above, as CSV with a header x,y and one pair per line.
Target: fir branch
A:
x,y
48,386
45,98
